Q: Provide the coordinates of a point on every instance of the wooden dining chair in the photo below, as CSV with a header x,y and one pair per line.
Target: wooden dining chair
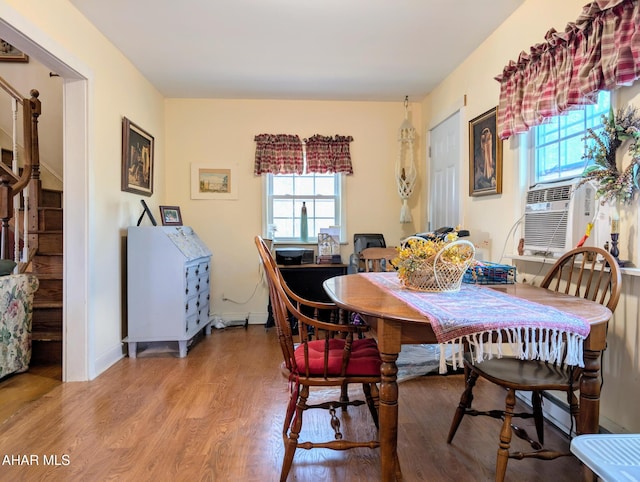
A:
x,y
333,358
587,272
378,259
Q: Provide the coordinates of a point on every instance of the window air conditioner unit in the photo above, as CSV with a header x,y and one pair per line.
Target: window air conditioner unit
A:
x,y
556,216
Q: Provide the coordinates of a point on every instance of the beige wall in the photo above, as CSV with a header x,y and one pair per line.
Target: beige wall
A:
x,y
221,133
475,79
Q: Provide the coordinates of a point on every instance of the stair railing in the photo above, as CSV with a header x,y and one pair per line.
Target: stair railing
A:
x,y
27,184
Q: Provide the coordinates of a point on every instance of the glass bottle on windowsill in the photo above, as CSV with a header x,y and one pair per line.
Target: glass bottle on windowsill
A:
x,y
304,228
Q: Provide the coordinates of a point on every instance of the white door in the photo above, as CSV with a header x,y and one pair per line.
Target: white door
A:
x,y
444,174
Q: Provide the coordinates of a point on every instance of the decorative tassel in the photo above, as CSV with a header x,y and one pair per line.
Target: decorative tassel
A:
x,y
405,212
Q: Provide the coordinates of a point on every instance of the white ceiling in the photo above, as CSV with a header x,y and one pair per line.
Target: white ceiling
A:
x,y
374,50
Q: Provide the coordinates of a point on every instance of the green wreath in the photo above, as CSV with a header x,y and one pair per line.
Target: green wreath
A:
x,y
613,184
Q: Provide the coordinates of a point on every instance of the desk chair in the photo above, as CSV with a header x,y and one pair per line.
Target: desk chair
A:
x,y
378,259
333,359
362,241
578,273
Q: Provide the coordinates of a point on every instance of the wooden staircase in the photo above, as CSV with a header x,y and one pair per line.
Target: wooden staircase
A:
x,y
47,265
39,226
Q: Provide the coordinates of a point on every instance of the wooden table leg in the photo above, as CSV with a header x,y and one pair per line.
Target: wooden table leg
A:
x,y
389,345
589,418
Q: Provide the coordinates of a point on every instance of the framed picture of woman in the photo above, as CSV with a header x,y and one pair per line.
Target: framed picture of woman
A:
x,y
485,155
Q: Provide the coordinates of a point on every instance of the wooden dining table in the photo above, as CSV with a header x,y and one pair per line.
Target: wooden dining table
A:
x,y
396,323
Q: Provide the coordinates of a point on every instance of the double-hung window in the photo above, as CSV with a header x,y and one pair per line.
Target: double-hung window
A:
x,y
559,144
285,193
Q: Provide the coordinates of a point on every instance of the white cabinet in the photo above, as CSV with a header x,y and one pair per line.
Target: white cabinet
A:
x,y
168,285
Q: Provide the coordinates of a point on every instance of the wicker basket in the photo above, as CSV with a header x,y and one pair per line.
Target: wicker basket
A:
x,y
438,275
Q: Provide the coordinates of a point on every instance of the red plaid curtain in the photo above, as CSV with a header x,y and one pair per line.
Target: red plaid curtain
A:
x,y
278,154
599,51
326,154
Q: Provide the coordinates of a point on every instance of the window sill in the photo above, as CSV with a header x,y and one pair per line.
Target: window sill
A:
x,y
629,271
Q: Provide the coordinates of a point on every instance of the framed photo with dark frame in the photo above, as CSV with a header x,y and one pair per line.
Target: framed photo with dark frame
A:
x,y
485,155
170,216
137,159
8,53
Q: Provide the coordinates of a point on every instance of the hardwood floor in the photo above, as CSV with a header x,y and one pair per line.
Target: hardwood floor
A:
x,y
216,415
19,390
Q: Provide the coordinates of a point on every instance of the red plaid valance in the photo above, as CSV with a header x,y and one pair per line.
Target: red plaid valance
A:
x,y
326,154
278,154
599,51
282,154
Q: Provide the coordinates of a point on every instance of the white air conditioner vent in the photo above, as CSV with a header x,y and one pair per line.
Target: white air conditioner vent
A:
x,y
556,216
556,193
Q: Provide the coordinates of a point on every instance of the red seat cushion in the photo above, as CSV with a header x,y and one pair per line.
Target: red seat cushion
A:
x,y
364,360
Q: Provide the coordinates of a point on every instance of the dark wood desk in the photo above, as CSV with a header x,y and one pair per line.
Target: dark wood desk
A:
x,y
306,280
396,323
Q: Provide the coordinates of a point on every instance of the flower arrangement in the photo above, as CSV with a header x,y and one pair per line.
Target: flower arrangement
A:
x,y
435,264
614,185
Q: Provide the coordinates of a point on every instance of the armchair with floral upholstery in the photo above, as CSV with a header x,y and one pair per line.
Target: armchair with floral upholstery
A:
x,y
16,309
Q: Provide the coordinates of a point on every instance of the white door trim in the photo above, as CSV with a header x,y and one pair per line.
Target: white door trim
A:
x,y
78,359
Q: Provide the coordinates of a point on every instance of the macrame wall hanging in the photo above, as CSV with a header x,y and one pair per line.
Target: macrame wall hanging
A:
x,y
405,165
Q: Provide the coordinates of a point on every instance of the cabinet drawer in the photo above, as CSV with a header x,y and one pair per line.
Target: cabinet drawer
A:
x,y
194,286
191,271
191,324
203,307
203,269
191,306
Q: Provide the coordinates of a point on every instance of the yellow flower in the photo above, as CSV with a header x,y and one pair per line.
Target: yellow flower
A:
x,y
415,253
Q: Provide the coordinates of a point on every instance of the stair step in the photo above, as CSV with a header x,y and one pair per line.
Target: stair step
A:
x,y
49,264
50,290
48,276
46,352
43,310
51,198
46,322
46,336
50,242
50,219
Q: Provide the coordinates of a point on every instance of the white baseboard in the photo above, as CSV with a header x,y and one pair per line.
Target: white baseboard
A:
x,y
253,318
107,359
556,411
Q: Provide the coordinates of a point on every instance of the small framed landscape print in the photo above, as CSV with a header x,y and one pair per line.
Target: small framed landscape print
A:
x,y
485,155
137,159
170,216
210,182
8,53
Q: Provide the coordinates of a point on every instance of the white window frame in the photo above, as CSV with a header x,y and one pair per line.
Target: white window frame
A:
x,y
531,151
267,209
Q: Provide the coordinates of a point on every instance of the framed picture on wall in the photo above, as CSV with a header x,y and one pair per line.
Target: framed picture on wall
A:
x,y
213,182
170,216
137,159
485,155
8,53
